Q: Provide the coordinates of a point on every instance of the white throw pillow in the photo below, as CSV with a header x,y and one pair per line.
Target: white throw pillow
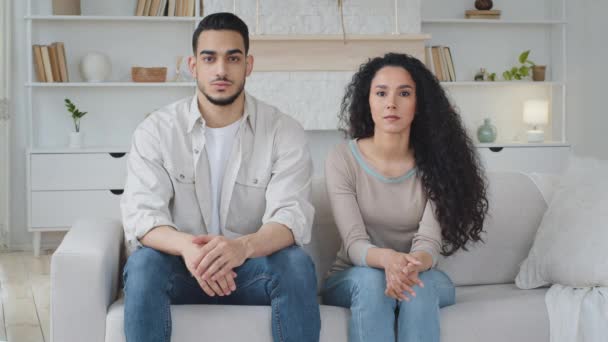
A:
x,y
571,245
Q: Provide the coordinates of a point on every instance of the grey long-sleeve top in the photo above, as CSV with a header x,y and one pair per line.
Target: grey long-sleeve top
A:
x,y
371,210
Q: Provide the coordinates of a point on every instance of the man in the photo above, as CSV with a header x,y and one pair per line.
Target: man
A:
x,y
219,186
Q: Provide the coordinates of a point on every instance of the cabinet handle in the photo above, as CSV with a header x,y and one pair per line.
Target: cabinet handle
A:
x,y
117,154
496,149
117,191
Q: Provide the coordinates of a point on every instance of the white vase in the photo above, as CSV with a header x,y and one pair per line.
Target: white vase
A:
x,y
76,139
95,67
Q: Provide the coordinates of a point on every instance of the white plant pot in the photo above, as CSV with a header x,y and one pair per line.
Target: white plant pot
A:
x,y
95,67
76,139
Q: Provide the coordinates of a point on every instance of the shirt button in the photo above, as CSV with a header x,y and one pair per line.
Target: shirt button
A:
x,y
181,176
196,151
255,181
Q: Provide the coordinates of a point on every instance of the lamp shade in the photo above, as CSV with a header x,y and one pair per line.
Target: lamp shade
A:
x,y
536,112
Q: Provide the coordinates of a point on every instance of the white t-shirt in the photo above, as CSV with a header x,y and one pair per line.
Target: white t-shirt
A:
x,y
219,145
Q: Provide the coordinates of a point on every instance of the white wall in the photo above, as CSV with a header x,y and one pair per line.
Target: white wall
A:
x,y
587,125
588,73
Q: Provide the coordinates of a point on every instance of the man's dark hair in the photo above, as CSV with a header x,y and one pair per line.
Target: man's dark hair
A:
x,y
221,21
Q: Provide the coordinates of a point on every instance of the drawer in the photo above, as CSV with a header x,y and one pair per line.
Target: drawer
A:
x,y
61,208
78,171
551,159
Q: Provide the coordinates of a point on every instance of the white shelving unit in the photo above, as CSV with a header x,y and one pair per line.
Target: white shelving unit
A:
x,y
539,26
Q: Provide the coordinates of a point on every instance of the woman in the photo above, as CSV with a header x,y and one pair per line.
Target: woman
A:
x,y
407,188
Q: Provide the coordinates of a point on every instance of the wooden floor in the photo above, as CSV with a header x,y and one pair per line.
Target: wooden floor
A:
x,y
25,290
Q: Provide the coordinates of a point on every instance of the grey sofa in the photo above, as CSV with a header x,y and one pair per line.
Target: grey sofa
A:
x,y
86,304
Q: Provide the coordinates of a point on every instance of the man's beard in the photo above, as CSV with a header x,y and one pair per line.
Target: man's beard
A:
x,y
222,102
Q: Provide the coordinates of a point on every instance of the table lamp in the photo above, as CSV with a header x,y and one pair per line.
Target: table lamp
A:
x,y
536,112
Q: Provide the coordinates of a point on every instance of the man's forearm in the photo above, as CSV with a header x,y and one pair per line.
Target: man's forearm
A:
x,y
166,239
270,238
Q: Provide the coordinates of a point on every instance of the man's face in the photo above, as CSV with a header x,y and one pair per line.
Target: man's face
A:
x,y
220,66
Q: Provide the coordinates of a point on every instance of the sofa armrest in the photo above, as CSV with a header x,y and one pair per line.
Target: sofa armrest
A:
x,y
84,280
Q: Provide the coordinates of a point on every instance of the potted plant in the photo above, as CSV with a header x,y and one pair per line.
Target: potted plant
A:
x,y
76,137
518,73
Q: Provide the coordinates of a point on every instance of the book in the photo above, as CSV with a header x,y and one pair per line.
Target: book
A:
x,y
478,14
66,7
450,63
178,8
63,64
437,62
38,64
147,7
428,59
141,5
190,8
171,8
46,61
155,4
444,65
54,62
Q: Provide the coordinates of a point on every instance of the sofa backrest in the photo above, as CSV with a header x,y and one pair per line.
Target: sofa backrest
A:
x,y
516,209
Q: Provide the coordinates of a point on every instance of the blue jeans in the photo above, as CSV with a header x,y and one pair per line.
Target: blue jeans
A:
x,y
286,280
373,314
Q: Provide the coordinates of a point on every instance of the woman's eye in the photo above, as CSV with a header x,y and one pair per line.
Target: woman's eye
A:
x,y
381,93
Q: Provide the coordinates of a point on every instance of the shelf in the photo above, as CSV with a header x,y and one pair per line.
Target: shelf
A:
x,y
108,84
329,52
522,144
500,84
107,18
492,21
68,150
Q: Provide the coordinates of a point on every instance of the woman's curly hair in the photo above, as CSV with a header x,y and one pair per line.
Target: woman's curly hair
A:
x,y
446,158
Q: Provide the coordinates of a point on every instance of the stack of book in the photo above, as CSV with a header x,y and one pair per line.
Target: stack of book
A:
x,y
487,14
439,60
170,8
50,63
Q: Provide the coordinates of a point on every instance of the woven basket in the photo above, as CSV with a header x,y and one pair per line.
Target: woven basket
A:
x,y
140,74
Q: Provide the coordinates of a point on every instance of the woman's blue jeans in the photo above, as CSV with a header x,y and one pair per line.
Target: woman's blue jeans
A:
x,y
374,315
286,280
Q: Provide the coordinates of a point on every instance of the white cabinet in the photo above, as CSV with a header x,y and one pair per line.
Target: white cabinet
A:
x,y
65,186
527,159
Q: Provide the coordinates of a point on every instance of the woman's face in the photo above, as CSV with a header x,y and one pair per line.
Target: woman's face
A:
x,y
392,100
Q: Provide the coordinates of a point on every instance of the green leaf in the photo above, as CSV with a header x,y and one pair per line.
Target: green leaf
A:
x,y
492,77
524,70
507,75
524,56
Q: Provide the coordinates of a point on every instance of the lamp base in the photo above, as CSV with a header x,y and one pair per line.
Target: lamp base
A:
x,y
535,136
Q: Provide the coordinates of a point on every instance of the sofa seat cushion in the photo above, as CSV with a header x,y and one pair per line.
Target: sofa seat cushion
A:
x,y
496,313
195,323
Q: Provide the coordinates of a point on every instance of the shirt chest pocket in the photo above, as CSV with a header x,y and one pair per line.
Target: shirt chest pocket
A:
x,y
248,202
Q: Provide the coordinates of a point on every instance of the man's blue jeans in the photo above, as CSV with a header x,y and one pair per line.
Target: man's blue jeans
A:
x,y
373,314
285,280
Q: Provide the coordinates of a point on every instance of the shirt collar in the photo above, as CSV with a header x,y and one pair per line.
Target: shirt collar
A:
x,y
249,114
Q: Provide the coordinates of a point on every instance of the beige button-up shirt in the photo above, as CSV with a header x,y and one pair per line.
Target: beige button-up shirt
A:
x,y
267,179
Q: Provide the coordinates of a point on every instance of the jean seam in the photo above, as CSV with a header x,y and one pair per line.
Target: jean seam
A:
x,y
275,305
167,308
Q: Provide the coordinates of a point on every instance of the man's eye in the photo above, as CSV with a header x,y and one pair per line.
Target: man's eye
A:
x,y
208,59
233,59
405,93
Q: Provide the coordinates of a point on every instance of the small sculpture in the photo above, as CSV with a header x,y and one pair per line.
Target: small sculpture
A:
x,y
483,5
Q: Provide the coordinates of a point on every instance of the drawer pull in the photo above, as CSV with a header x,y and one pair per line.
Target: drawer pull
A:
x,y
117,191
496,149
117,154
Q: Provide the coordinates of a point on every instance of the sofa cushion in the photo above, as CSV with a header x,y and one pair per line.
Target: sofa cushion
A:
x,y
227,323
325,240
516,207
570,246
497,313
